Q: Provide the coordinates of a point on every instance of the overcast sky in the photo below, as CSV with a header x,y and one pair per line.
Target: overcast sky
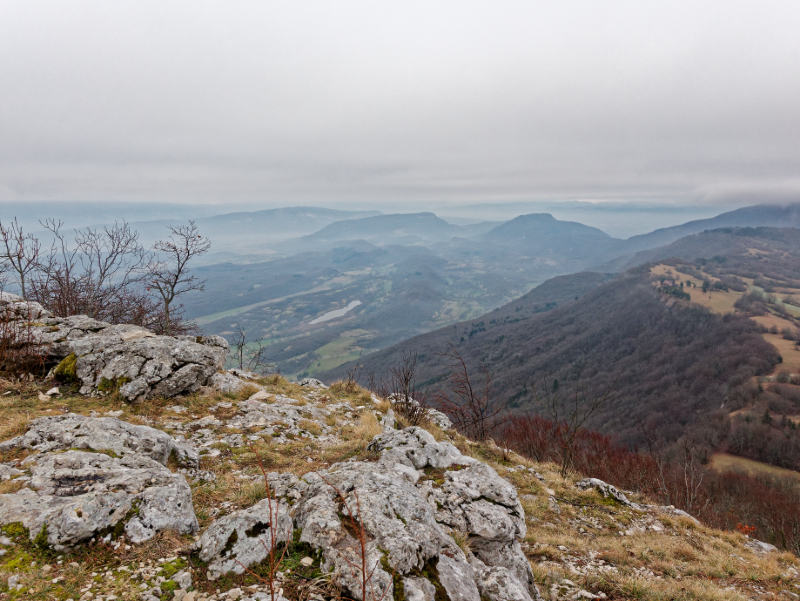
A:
x,y
348,101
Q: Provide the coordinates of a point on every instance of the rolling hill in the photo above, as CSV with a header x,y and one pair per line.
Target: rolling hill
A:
x,y
542,234
398,275
442,273
684,348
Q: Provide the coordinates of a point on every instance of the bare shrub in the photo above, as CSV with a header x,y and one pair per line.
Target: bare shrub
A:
x,y
97,272
408,402
19,252
274,545
250,356
105,272
20,351
473,410
349,385
570,416
169,277
355,525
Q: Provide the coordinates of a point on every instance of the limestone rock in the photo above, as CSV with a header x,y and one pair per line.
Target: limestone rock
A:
x,y
417,448
500,584
15,308
227,382
312,383
129,359
242,539
607,490
418,589
406,518
75,495
760,547
73,431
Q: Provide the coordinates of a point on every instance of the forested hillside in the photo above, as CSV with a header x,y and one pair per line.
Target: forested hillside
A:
x,y
674,357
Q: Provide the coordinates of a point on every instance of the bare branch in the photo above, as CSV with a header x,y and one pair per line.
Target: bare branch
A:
x,y
19,252
473,412
168,274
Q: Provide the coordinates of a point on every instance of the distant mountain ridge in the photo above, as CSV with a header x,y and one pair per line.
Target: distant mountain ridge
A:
x,y
542,233
770,215
397,226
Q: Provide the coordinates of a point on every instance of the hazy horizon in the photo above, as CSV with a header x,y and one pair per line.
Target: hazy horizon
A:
x,y
621,220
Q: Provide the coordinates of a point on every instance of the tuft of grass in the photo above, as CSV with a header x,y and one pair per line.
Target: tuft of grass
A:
x,y
249,494
310,426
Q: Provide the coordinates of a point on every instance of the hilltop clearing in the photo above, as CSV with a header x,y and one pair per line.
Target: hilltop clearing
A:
x,y
455,519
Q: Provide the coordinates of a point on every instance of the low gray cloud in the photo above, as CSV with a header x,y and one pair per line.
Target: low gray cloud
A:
x,y
363,101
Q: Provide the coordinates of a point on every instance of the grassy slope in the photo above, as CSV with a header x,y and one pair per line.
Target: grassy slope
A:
x,y
573,536
725,462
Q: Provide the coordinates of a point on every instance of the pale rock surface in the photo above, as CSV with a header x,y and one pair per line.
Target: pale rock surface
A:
x,y
312,383
78,494
417,448
242,539
227,382
760,546
74,431
407,520
89,474
607,490
131,358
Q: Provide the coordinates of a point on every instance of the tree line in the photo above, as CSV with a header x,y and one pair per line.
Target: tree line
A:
x,y
104,272
678,475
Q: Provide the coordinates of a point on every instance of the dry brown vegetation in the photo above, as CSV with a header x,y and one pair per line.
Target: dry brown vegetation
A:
x,y
569,530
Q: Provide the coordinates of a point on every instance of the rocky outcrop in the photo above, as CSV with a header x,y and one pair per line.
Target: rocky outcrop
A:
x,y
607,490
96,476
312,383
102,435
127,359
409,503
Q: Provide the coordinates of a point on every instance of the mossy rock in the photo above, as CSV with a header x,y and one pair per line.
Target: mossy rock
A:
x,y
67,370
110,386
41,538
170,568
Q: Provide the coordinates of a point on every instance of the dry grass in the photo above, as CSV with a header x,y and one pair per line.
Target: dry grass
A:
x,y
346,390
717,301
723,462
788,351
684,561
723,302
310,426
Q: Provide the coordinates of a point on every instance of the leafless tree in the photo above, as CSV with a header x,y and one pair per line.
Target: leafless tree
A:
x,y
404,377
239,343
408,401
693,473
168,274
570,416
250,355
96,273
19,252
54,286
472,408
257,361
